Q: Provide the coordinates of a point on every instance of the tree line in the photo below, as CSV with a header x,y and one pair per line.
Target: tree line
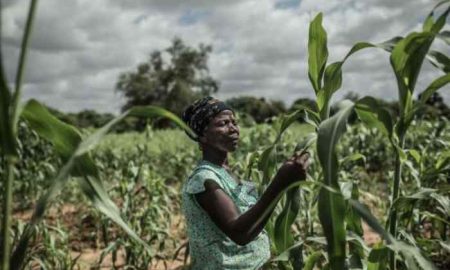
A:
x,y
177,75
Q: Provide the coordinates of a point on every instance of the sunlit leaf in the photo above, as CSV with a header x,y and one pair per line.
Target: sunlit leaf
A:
x,y
415,154
406,60
312,260
317,52
440,22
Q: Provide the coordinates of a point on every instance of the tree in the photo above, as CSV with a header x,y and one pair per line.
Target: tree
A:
x,y
172,78
435,107
260,109
309,103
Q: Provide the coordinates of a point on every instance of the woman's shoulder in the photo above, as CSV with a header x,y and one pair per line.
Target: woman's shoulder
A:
x,y
202,172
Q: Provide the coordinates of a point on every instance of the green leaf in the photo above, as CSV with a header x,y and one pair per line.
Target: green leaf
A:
x,y
68,143
352,157
94,190
312,260
406,60
283,235
65,138
328,135
445,36
284,221
317,52
439,60
310,114
306,142
269,209
401,153
286,254
286,121
322,101
7,140
440,22
266,163
429,25
408,201
389,45
378,258
443,160
438,217
16,108
353,220
412,255
429,21
433,87
443,203
365,214
374,115
415,154
445,246
333,79
331,205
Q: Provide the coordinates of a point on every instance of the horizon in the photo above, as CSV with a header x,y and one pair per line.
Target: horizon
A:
x,y
259,47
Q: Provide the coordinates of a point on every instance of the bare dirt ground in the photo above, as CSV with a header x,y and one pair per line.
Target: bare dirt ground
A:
x,y
88,254
370,237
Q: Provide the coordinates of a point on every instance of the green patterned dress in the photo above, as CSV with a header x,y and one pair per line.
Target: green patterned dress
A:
x,y
210,248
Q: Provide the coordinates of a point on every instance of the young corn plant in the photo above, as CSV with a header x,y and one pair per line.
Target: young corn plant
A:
x,y
326,80
406,59
67,142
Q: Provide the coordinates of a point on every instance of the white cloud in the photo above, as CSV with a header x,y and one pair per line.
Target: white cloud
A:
x,y
79,48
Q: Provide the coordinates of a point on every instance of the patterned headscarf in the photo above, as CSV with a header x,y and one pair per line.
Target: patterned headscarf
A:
x,y
198,114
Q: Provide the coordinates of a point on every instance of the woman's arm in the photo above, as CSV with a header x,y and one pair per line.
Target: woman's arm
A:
x,y
243,228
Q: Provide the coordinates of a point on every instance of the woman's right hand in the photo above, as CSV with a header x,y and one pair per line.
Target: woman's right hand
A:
x,y
293,170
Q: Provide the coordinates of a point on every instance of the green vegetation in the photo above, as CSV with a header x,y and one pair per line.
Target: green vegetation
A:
x,y
384,168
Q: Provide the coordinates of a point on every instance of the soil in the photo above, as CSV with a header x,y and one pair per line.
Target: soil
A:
x,y
88,251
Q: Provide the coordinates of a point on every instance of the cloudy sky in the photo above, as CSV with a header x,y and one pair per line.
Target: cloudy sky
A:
x,y
79,47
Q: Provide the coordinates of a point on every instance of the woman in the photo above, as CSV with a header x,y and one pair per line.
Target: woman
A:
x,y
224,218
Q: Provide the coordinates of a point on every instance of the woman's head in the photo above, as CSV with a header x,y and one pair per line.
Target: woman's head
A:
x,y
214,123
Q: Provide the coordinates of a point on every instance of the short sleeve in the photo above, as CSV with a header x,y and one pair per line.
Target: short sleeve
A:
x,y
196,183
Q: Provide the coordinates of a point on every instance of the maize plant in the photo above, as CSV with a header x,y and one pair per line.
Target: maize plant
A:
x,y
406,59
340,213
67,142
328,199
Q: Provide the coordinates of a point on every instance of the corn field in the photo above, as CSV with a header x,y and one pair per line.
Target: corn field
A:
x,y
376,197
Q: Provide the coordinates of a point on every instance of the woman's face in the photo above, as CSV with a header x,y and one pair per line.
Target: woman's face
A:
x,y
222,132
